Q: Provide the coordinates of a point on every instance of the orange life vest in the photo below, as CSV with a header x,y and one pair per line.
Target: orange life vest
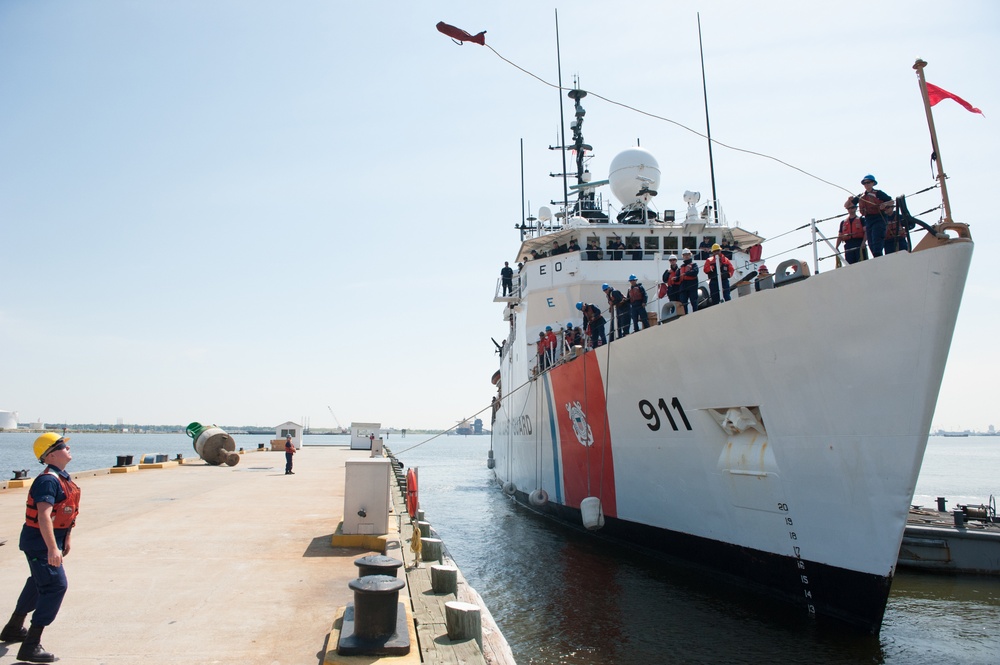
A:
x,y
852,229
868,204
63,513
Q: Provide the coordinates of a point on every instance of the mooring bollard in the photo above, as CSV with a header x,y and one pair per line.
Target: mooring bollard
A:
x,y
19,474
444,579
377,564
260,446
430,549
959,517
425,527
463,621
375,624
420,517
940,502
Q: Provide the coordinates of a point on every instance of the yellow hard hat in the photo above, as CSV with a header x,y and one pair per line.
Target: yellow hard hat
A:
x,y
46,441
716,248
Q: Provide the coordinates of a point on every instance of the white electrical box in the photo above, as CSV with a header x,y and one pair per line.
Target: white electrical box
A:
x,y
366,496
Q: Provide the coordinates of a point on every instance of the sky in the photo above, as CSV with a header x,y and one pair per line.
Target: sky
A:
x,y
254,211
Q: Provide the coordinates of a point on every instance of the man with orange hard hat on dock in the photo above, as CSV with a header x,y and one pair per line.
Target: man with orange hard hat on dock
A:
x,y
52,506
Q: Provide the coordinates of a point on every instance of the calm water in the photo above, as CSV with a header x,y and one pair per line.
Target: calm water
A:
x,y
562,597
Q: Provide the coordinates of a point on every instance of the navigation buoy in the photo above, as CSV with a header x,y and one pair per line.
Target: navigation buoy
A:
x,y
590,511
411,493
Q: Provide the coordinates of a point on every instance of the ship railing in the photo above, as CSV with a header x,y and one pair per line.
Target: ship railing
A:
x,y
823,245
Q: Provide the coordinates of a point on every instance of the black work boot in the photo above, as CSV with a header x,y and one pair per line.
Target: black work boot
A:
x,y
31,650
14,631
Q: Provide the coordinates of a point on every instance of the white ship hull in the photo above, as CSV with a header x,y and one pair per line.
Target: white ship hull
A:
x,y
834,379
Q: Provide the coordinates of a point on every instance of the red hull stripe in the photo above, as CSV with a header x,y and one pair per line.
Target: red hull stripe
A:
x,y
581,412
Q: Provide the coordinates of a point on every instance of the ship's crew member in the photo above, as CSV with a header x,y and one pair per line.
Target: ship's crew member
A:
x,y
557,248
874,206
616,247
571,337
852,234
543,344
551,346
594,323
672,278
765,280
896,237
727,249
689,282
52,506
507,279
593,250
574,246
618,308
637,303
290,450
635,252
715,266
704,249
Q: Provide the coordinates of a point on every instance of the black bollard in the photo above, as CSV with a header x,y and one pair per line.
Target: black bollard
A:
x,y
128,460
377,564
941,501
121,460
375,623
959,517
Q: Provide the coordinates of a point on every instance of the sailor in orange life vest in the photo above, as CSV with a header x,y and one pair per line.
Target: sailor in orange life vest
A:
x,y
852,233
875,206
52,506
289,451
713,279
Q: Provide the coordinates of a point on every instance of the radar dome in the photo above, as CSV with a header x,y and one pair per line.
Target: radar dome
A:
x,y
630,171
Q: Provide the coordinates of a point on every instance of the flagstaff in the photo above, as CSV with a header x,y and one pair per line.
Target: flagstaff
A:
x,y
919,67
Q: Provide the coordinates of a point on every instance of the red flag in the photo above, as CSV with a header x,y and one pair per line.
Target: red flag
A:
x,y
936,94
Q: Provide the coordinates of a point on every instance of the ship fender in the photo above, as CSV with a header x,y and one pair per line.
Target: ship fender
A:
x,y
671,311
591,513
538,498
509,488
790,271
490,462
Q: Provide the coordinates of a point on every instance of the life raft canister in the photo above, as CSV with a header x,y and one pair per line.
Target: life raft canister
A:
x,y
411,493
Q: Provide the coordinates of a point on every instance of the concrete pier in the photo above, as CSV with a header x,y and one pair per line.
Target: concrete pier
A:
x,y
199,564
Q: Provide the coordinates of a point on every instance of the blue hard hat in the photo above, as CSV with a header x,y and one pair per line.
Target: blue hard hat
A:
x,y
569,326
870,177
548,328
579,306
632,278
605,287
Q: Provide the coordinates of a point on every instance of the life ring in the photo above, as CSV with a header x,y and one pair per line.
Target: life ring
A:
x,y
411,493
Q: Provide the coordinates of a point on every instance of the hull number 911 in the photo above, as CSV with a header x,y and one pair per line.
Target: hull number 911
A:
x,y
652,416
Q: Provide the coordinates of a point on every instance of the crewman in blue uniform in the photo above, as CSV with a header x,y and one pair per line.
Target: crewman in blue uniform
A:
x,y
875,206
49,517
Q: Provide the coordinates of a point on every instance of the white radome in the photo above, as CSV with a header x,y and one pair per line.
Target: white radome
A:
x,y
629,171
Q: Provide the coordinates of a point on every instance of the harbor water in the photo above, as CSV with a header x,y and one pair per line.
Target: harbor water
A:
x,y
561,596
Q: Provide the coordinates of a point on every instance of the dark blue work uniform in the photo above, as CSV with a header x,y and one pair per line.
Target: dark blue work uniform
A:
x,y
43,592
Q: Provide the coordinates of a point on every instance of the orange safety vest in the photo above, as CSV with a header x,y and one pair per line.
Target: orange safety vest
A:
x,y
63,513
868,204
852,229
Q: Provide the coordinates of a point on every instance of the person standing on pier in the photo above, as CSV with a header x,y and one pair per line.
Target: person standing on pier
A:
x,y
289,451
52,506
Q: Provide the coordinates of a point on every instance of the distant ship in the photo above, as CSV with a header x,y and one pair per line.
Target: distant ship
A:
x,y
763,437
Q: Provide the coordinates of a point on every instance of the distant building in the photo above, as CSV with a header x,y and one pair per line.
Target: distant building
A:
x,y
291,429
8,419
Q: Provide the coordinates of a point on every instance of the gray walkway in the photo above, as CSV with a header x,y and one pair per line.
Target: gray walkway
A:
x,y
197,564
